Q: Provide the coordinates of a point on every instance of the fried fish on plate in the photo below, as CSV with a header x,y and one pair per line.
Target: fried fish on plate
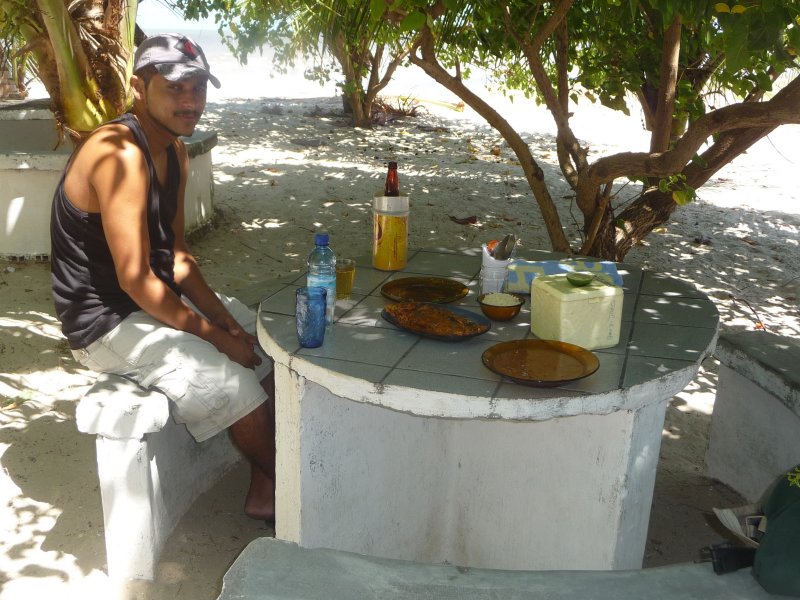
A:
x,y
434,320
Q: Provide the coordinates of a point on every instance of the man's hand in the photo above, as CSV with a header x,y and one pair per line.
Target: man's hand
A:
x,y
239,345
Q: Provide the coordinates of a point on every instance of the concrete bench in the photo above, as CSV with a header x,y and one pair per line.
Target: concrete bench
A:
x,y
271,569
150,469
31,164
755,427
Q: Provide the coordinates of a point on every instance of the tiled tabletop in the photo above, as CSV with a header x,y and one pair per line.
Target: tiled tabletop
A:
x,y
667,326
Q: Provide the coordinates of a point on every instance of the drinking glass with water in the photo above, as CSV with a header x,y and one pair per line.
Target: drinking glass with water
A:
x,y
310,313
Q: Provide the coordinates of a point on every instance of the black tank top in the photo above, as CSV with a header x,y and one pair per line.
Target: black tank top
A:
x,y
88,299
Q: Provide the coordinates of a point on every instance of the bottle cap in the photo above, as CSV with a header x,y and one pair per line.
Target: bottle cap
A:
x,y
392,164
321,238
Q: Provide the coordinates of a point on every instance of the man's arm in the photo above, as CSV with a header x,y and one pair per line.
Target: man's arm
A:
x,y
187,272
119,179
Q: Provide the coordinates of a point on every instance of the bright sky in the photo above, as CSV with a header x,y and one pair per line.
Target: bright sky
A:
x,y
154,15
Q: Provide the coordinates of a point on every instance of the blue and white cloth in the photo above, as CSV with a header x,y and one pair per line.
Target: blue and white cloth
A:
x,y
521,273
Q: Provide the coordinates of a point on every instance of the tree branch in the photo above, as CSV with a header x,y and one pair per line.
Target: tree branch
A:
x,y
597,219
727,147
568,167
559,14
783,108
428,62
376,87
668,80
531,51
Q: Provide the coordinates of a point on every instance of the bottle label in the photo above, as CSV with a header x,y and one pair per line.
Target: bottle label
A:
x,y
329,283
389,242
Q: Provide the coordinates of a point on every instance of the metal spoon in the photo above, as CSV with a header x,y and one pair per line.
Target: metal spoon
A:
x,y
506,246
511,246
500,248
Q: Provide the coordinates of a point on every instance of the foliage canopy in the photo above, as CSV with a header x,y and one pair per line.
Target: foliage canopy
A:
x,y
704,75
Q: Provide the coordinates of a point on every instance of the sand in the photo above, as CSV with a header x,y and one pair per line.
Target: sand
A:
x,y
286,167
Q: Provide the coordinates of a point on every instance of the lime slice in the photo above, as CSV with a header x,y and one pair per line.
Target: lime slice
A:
x,y
580,279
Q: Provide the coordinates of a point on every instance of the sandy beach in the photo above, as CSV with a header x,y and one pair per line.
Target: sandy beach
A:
x,y
287,166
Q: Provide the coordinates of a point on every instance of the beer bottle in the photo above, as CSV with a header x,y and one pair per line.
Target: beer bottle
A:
x,y
392,186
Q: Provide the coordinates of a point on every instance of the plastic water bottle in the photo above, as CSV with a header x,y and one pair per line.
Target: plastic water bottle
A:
x,y
322,271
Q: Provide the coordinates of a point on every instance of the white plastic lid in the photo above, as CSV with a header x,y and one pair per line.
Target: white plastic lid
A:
x,y
390,204
558,286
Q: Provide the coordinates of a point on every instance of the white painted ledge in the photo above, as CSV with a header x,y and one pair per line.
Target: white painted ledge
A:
x,y
31,167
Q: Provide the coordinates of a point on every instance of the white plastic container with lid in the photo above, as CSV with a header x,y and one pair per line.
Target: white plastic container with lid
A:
x,y
588,316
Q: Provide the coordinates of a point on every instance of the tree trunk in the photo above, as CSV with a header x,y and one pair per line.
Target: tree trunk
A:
x,y
428,62
619,234
362,111
347,108
9,90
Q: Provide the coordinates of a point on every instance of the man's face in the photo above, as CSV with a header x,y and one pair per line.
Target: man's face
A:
x,y
175,105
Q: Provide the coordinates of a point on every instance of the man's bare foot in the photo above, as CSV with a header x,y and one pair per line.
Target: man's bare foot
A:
x,y
260,501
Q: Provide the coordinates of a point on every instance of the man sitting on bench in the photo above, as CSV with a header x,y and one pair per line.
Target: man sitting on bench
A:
x,y
129,294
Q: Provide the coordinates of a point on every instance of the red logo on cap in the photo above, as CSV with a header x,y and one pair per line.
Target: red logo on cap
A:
x,y
188,48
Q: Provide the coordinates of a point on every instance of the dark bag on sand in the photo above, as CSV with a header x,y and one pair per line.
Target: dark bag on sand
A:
x,y
777,562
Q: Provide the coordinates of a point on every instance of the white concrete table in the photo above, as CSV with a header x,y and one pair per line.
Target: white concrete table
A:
x,y
398,446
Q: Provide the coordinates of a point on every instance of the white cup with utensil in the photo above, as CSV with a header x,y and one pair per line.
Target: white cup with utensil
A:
x,y
493,272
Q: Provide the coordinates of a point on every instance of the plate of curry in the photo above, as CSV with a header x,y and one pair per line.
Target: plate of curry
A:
x,y
424,289
541,363
435,321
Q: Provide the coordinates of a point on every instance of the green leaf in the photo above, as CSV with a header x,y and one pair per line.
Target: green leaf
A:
x,y
681,197
764,81
794,40
736,45
721,7
413,21
700,161
377,7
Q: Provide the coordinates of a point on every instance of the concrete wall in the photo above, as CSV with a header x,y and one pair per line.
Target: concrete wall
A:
x,y
30,168
755,428
566,493
754,436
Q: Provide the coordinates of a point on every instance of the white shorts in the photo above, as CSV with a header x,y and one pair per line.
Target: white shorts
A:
x,y
209,392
